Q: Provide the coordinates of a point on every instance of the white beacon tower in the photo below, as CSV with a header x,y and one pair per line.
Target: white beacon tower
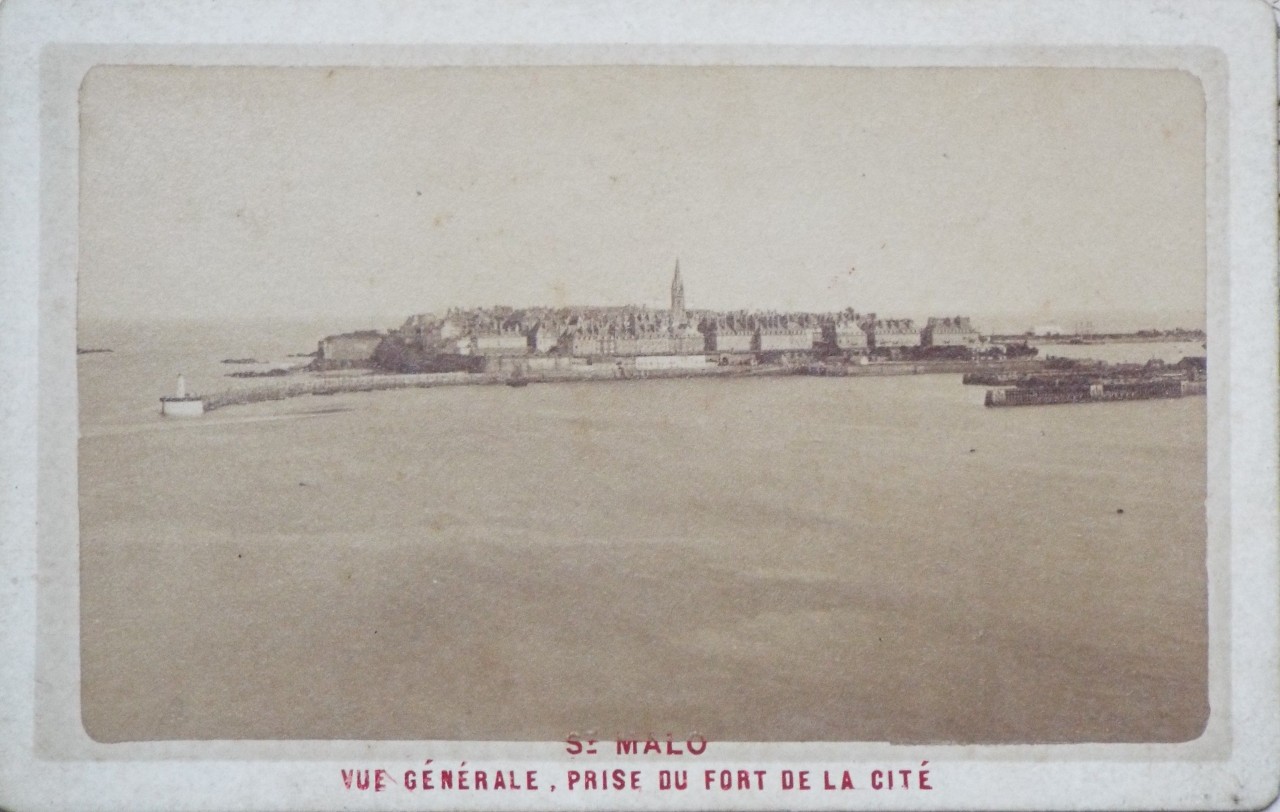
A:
x,y
180,404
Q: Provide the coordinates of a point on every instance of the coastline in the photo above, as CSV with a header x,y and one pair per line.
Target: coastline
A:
x,y
599,373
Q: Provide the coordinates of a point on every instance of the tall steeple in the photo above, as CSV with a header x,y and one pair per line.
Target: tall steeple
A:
x,y
677,297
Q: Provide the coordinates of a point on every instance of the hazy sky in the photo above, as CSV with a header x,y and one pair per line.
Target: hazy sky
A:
x,y
1039,194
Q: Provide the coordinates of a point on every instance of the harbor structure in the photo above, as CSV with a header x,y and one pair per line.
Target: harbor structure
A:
x,y
1094,393
1094,382
182,403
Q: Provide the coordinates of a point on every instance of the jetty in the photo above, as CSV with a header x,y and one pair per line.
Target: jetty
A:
x,y
376,382
1023,382
973,368
1095,382
181,403
333,386
292,385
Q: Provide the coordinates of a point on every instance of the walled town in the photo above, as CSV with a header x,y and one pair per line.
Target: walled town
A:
x,y
518,346
630,337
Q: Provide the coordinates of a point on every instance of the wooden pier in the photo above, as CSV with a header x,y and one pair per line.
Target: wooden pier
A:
x,y
1093,393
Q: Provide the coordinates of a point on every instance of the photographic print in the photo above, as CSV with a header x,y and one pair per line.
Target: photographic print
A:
x,y
686,404
843,408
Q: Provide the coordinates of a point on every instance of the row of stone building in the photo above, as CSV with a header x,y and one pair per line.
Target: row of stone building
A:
x,y
842,333
641,331
630,332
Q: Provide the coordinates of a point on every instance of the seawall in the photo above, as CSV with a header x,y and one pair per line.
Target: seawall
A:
x,y
283,389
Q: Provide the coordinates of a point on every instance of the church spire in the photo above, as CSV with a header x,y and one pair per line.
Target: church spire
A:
x,y
677,297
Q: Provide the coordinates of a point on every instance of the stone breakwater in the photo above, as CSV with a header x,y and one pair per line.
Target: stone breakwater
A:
x,y
333,385
379,382
328,386
1023,382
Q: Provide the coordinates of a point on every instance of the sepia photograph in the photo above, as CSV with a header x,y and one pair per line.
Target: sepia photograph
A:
x,y
774,406
761,403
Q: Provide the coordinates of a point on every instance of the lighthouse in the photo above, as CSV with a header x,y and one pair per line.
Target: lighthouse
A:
x,y
180,404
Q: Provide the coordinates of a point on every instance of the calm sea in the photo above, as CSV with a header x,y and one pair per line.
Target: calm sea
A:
x,y
773,559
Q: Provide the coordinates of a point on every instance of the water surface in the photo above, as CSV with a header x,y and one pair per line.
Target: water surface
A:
x,y
752,559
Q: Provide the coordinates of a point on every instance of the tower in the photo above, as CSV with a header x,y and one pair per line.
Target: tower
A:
x,y
677,298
